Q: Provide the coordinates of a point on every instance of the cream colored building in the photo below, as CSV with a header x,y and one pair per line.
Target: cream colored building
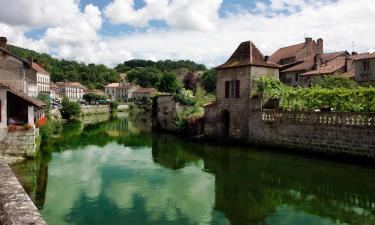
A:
x,y
74,91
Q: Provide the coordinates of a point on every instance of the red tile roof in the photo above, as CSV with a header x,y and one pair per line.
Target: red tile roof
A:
x,y
363,56
245,55
331,67
305,65
286,52
330,56
70,84
38,68
112,85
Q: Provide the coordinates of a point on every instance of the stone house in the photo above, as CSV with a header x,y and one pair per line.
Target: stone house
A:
x,y
122,91
74,91
16,71
111,90
364,67
228,116
298,60
143,93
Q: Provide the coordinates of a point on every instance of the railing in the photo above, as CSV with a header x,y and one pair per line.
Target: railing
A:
x,y
321,118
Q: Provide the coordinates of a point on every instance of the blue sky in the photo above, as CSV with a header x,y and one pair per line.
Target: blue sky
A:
x,y
206,31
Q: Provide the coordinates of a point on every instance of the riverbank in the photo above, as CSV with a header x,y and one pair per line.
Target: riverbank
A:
x,y
16,206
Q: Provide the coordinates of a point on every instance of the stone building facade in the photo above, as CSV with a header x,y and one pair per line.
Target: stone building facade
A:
x,y
228,116
364,65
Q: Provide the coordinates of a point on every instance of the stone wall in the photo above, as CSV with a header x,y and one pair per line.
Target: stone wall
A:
x,y
93,109
164,108
15,205
20,143
333,133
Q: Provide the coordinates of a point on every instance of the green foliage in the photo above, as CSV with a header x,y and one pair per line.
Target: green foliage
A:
x,y
185,97
113,106
336,81
91,75
145,77
182,117
209,80
166,65
169,83
94,97
360,99
52,127
70,109
202,97
45,99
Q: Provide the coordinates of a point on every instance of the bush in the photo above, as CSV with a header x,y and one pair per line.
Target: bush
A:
x,y
89,97
360,99
209,80
183,117
51,127
169,83
113,106
69,109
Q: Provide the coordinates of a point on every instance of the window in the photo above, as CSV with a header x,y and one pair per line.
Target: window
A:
x,y
366,66
296,77
232,89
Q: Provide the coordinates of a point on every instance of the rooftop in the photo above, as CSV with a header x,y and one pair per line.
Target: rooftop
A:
x,y
245,55
286,52
39,68
330,68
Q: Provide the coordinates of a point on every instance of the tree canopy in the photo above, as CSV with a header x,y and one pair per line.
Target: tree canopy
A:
x,y
169,83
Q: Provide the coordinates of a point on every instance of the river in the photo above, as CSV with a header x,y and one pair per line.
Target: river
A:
x,y
116,171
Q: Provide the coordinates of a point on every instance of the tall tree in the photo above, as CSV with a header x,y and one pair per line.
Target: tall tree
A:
x,y
169,83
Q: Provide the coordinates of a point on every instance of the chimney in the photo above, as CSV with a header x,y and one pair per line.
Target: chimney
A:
x,y
354,53
3,42
309,46
266,58
317,61
320,46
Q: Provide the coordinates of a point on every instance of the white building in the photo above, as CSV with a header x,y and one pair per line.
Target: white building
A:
x,y
42,78
111,90
74,91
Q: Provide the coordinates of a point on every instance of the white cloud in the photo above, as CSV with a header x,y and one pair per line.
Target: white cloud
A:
x,y
38,13
183,14
196,31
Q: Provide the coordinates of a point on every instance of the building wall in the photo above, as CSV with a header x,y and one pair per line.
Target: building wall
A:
x,y
332,133
163,112
111,92
360,75
43,83
12,72
73,93
290,79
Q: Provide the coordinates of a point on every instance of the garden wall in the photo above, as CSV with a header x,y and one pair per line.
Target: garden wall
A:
x,y
334,133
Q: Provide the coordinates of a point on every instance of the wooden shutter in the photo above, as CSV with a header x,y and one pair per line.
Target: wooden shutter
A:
x,y
237,88
226,89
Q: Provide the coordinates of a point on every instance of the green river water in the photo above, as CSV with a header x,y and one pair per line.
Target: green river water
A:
x,y
118,172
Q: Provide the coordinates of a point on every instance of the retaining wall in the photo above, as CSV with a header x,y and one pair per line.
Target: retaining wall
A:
x,y
335,133
16,207
20,143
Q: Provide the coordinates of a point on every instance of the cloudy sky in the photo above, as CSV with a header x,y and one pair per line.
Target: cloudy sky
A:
x,y
206,31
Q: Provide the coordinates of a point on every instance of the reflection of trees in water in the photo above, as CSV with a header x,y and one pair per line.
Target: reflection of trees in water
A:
x,y
250,186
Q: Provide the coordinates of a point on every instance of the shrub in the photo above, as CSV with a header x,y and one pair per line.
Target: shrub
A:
x,y
113,106
69,109
51,127
183,117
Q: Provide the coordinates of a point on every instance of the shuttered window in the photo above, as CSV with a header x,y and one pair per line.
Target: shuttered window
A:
x,y
232,89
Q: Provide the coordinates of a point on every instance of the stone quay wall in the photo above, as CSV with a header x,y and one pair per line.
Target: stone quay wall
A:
x,y
16,207
20,143
332,133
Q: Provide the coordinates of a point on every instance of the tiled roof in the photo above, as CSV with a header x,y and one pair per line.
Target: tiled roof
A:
x,y
305,65
70,84
247,54
330,56
330,68
145,90
38,68
363,56
34,101
286,52
113,85
126,86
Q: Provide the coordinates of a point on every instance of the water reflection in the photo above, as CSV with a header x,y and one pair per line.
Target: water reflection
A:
x,y
117,172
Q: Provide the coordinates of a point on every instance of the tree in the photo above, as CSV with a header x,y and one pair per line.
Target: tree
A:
x,y
113,106
209,80
169,83
190,81
69,109
145,77
89,97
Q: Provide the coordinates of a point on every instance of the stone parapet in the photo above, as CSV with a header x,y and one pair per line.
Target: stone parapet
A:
x,y
16,207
